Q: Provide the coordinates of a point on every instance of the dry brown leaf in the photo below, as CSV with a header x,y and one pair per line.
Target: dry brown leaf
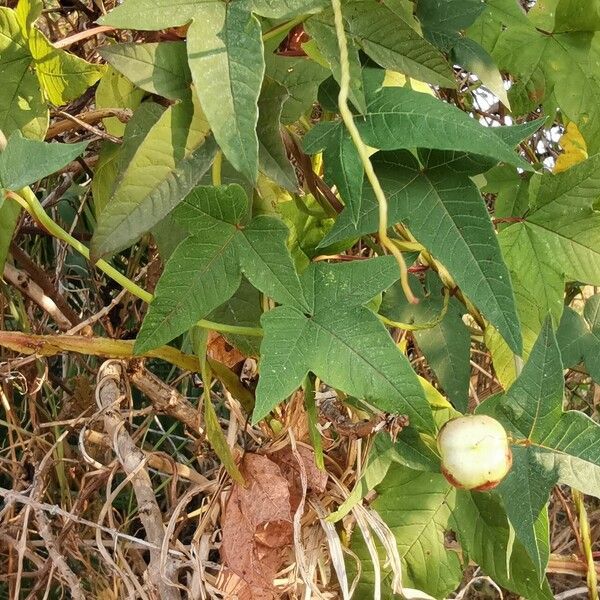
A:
x,y
257,526
315,478
220,349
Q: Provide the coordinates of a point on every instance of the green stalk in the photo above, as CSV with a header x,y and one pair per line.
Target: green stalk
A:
x,y
27,199
363,151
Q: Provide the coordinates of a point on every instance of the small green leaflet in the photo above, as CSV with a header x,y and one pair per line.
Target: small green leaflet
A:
x,y
579,337
205,269
563,447
417,506
166,166
485,535
272,158
341,341
444,210
446,344
62,76
226,58
24,161
159,68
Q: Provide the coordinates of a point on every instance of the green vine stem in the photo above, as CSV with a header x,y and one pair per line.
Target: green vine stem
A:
x,y
27,199
363,151
584,529
420,326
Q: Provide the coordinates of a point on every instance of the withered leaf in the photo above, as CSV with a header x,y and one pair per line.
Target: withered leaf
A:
x,y
257,526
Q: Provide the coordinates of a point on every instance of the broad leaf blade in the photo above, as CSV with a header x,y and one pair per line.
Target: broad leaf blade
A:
x,y
344,168
159,68
485,535
63,76
266,261
418,509
524,495
226,58
22,105
24,161
167,165
402,118
445,212
285,359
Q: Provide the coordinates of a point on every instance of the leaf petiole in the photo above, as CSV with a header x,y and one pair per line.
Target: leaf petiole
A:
x,y
27,199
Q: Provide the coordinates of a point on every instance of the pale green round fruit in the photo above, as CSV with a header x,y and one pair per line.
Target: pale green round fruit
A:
x,y
475,452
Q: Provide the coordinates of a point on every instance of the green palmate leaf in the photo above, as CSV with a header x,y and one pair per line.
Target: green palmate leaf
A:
x,y
558,240
561,68
225,56
445,212
272,158
24,161
341,342
418,508
391,41
22,104
205,270
159,68
113,90
322,32
170,161
562,447
445,343
402,118
485,536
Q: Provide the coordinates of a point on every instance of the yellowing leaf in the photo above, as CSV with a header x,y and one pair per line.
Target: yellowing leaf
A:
x,y
63,76
574,149
396,79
